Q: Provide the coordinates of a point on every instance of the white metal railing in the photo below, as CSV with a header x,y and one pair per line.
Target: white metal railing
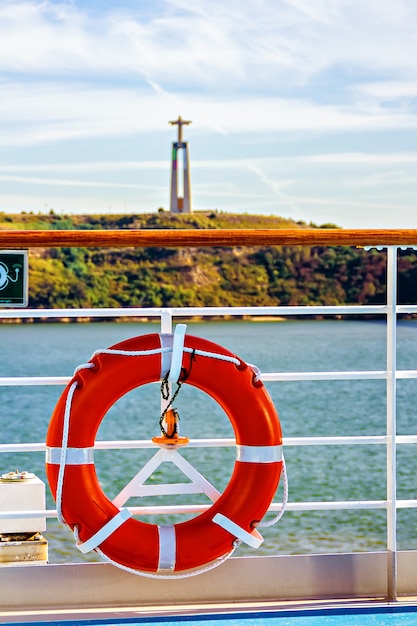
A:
x,y
390,374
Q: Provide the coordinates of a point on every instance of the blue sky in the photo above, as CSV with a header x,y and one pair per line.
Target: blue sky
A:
x,y
300,108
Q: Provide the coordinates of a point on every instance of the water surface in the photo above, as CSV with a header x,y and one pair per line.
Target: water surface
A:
x,y
306,408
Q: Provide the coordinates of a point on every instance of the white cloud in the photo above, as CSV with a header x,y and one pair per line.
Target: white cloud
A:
x,y
86,166
282,80
68,182
212,44
386,91
336,160
56,112
231,66
360,158
119,72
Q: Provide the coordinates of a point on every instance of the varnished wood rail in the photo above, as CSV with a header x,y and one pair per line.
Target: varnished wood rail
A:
x,y
206,238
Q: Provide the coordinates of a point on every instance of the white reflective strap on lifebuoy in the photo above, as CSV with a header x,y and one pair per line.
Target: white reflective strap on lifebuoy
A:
x,y
166,355
73,456
259,454
177,351
105,532
167,548
253,539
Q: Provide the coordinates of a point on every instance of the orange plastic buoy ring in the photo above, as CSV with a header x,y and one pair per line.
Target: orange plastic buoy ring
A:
x,y
137,545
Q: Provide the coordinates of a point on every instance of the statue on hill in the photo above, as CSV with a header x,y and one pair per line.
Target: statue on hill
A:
x,y
180,203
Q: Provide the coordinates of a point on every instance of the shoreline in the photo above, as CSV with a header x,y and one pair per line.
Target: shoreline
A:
x,y
194,318
128,319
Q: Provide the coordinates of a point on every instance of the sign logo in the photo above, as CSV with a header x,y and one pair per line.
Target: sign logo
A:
x,y
13,278
5,276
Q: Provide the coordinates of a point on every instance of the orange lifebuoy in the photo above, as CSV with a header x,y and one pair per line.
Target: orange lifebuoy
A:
x,y
132,543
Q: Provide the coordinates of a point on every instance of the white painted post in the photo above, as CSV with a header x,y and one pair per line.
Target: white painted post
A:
x,y
391,391
166,328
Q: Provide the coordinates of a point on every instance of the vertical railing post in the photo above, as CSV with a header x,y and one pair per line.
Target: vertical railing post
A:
x,y
391,391
166,321
166,329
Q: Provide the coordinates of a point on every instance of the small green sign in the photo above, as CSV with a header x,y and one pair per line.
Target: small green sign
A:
x,y
13,278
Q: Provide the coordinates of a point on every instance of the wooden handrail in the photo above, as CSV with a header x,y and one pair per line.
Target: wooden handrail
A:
x,y
206,238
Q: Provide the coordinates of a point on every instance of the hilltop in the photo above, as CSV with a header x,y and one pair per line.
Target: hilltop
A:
x,y
160,219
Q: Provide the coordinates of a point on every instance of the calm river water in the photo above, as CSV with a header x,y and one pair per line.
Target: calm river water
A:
x,y
305,408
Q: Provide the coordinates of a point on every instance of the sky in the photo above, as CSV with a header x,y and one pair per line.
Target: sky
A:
x,y
304,109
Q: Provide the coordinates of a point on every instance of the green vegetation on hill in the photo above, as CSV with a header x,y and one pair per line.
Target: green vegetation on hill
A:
x,y
156,277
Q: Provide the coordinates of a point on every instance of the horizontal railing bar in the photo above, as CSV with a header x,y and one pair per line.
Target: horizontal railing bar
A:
x,y
76,313
200,508
406,374
145,444
335,441
182,509
335,505
287,441
406,438
262,311
268,311
23,514
290,506
31,381
7,448
347,375
406,504
207,237
406,308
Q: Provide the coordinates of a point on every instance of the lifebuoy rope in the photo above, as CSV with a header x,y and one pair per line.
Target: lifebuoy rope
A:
x,y
199,570
212,355
284,503
256,372
124,514
64,447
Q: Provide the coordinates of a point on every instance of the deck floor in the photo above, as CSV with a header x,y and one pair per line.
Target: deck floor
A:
x,y
142,612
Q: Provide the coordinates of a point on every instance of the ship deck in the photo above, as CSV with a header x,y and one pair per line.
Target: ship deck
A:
x,y
250,585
